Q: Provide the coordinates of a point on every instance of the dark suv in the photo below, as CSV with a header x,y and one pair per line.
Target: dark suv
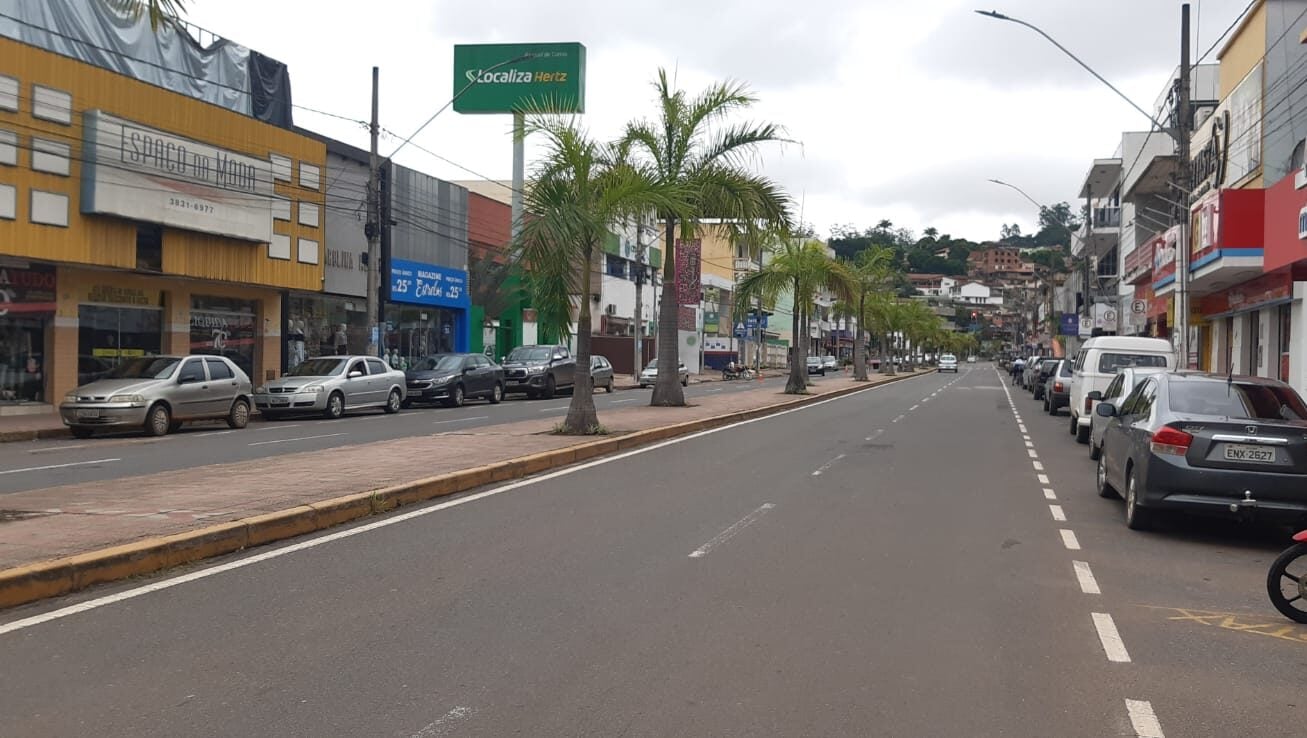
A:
x,y
538,371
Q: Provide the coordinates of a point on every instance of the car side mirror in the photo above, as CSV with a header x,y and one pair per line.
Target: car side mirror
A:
x,y
1096,396
502,358
354,374
1105,409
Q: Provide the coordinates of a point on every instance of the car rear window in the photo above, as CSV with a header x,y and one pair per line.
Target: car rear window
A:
x,y
1237,400
1109,363
1066,370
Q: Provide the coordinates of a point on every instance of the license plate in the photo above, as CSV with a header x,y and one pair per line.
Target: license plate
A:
x,y
280,401
1255,454
88,413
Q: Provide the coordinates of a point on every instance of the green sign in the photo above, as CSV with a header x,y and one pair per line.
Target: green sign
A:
x,y
711,322
508,78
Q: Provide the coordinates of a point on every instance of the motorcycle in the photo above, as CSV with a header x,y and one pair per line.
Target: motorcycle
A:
x,y
745,373
1288,589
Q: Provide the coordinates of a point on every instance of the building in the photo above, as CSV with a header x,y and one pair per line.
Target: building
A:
x,y
138,220
976,293
998,261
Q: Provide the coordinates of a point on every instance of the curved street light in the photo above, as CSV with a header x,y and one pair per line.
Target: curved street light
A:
x,y
1023,193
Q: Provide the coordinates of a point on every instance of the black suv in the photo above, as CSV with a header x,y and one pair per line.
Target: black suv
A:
x,y
538,371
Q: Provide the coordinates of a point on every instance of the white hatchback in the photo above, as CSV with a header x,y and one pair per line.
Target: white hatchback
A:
x,y
948,363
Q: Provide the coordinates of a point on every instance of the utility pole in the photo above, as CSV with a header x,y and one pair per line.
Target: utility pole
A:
x,y
637,362
1184,120
372,228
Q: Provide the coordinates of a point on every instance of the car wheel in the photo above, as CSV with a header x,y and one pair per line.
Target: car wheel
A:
x,y
1074,425
1082,433
81,431
455,397
1136,517
239,416
1046,406
393,402
1105,489
609,387
158,421
1095,451
550,387
497,394
335,406
686,382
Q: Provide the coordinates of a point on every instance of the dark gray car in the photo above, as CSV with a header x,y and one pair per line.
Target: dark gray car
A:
x,y
452,378
538,371
601,373
1207,443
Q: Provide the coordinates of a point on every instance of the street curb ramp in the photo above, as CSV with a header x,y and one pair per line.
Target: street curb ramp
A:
x,y
45,579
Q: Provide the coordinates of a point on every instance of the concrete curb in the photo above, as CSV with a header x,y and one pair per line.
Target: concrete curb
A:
x,y
33,435
56,577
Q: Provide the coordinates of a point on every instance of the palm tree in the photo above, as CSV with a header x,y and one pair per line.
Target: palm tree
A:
x,y
161,12
692,149
802,269
867,274
578,189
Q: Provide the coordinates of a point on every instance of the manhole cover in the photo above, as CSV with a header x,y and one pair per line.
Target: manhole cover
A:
x,y
10,516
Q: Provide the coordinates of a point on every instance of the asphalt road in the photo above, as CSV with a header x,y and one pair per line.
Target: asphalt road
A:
x,y
49,463
883,564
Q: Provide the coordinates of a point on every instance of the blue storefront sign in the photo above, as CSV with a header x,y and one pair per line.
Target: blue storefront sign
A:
x,y
1070,324
428,284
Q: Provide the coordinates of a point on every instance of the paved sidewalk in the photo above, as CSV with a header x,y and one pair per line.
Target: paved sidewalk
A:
x,y
42,524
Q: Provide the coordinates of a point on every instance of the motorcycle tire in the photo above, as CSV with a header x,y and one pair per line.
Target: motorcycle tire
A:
x,y
1293,607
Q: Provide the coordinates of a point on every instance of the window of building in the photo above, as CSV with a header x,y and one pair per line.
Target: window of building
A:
x,y
615,266
108,335
149,247
224,326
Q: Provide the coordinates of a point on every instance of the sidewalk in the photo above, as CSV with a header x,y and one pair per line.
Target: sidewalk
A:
x,y
55,522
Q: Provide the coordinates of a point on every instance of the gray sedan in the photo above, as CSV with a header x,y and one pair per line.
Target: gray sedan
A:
x,y
331,385
158,394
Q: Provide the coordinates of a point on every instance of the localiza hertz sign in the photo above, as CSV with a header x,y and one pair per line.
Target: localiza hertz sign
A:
x,y
146,174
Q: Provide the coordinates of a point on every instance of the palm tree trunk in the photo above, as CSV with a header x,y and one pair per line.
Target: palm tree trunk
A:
x,y
797,383
582,417
860,343
667,390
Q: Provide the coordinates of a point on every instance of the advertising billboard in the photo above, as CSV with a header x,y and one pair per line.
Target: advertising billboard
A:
x,y
510,78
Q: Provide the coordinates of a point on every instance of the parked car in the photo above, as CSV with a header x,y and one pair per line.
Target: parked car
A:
x,y
1041,374
601,373
452,378
158,394
815,366
538,370
649,375
1057,387
1125,381
971,359
1096,365
1206,443
948,363
1031,373
829,362
332,386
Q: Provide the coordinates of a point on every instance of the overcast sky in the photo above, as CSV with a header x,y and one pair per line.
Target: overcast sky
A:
x,y
899,110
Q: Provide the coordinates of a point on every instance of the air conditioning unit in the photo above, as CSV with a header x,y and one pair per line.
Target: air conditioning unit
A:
x,y
611,309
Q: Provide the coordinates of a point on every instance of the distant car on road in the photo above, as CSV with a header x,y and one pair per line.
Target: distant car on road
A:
x,y
159,393
815,366
333,385
538,370
452,378
829,362
971,359
649,375
601,373
948,363
1228,446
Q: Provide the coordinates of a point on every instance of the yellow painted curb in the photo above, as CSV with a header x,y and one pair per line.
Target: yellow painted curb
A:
x,y
32,582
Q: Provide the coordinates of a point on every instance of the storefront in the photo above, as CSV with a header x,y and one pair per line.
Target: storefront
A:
x,y
27,305
323,325
1251,326
427,312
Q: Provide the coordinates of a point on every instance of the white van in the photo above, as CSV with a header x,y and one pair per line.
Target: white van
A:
x,y
1095,367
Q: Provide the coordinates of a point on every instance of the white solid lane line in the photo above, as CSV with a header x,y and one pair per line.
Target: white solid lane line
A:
x,y
827,465
301,438
1057,513
462,420
1085,576
1108,635
1069,540
731,532
58,466
1143,719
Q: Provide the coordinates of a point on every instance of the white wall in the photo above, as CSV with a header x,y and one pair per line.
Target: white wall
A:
x,y
1298,339
621,292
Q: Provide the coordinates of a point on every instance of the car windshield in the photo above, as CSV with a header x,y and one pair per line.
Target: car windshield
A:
x,y
813,360
1109,363
439,363
651,365
530,353
148,367
1237,400
320,367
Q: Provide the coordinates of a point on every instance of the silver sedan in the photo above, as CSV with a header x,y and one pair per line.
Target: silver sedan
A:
x,y
332,385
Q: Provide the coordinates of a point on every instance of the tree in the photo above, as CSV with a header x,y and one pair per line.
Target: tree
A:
x,y
692,149
161,12
869,274
802,269
1009,232
578,189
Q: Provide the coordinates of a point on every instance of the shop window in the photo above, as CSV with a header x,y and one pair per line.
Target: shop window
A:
x,y
30,302
323,325
149,247
108,334
224,326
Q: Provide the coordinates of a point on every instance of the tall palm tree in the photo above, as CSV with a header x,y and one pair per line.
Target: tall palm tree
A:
x,y
869,273
577,191
803,269
692,147
161,12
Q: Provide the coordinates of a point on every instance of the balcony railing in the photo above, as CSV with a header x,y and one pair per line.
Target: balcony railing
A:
x,y
1107,217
